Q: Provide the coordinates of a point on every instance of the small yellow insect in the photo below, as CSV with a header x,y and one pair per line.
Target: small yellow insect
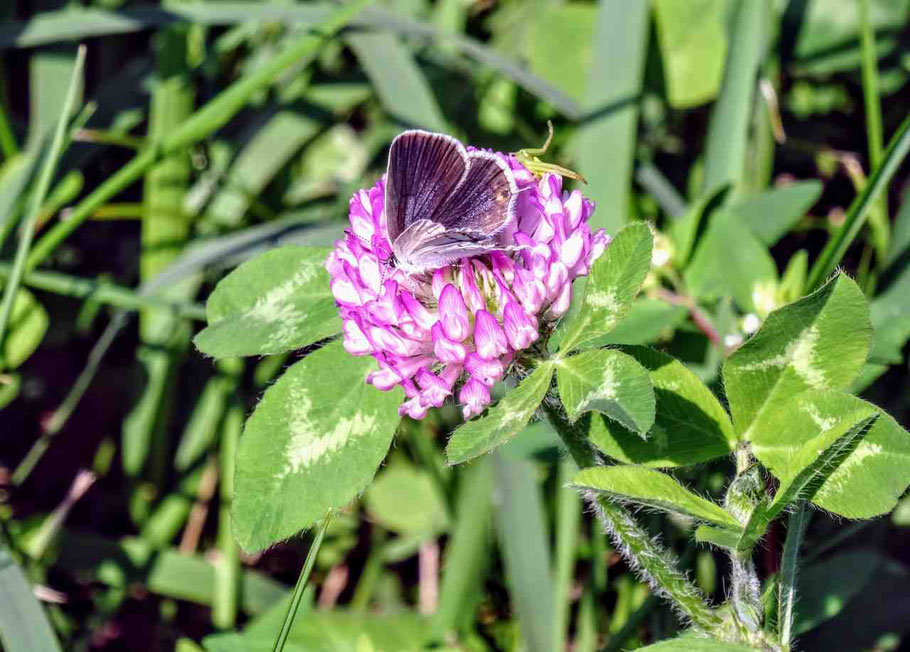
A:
x,y
529,158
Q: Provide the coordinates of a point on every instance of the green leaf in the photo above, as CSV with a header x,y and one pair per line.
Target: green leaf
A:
x,y
795,437
771,214
690,424
717,536
338,630
276,302
605,143
400,84
560,45
609,382
615,280
840,240
821,341
648,320
407,501
695,643
502,422
23,623
643,486
521,525
685,229
826,587
313,442
28,323
260,160
728,131
693,44
890,313
730,261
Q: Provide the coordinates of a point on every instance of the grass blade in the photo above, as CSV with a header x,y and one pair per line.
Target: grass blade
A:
x,y
796,527
205,121
606,140
228,572
568,520
523,541
78,23
38,195
23,624
301,585
400,84
838,244
728,132
878,213
468,553
164,232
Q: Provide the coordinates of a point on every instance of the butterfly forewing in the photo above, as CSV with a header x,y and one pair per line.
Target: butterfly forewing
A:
x,y
423,172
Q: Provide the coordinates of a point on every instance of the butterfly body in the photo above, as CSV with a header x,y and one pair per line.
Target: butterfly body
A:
x,y
444,203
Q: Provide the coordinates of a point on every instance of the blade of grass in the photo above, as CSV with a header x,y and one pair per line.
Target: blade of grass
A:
x,y
728,131
205,121
467,555
878,213
102,292
73,24
301,585
165,572
568,520
8,144
796,527
23,623
605,144
398,80
523,540
228,572
840,241
38,194
165,230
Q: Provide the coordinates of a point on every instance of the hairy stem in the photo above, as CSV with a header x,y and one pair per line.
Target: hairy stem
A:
x,y
655,563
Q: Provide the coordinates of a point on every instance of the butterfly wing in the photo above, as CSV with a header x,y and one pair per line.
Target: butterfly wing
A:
x,y
424,171
427,245
484,202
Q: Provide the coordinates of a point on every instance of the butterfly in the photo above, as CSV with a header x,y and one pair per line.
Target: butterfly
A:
x,y
444,203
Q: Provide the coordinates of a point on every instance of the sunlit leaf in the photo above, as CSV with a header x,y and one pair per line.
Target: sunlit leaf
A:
x,y
609,382
503,421
615,280
818,342
643,486
314,441
276,302
690,423
867,482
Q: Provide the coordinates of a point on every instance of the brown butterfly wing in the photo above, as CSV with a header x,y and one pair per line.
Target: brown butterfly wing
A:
x,y
424,171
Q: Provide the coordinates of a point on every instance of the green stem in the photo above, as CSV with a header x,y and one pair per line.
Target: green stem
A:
x,y
227,570
7,140
301,585
878,214
838,244
202,124
40,192
788,567
107,293
657,564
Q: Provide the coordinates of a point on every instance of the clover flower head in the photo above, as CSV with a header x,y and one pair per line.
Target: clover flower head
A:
x,y
456,331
